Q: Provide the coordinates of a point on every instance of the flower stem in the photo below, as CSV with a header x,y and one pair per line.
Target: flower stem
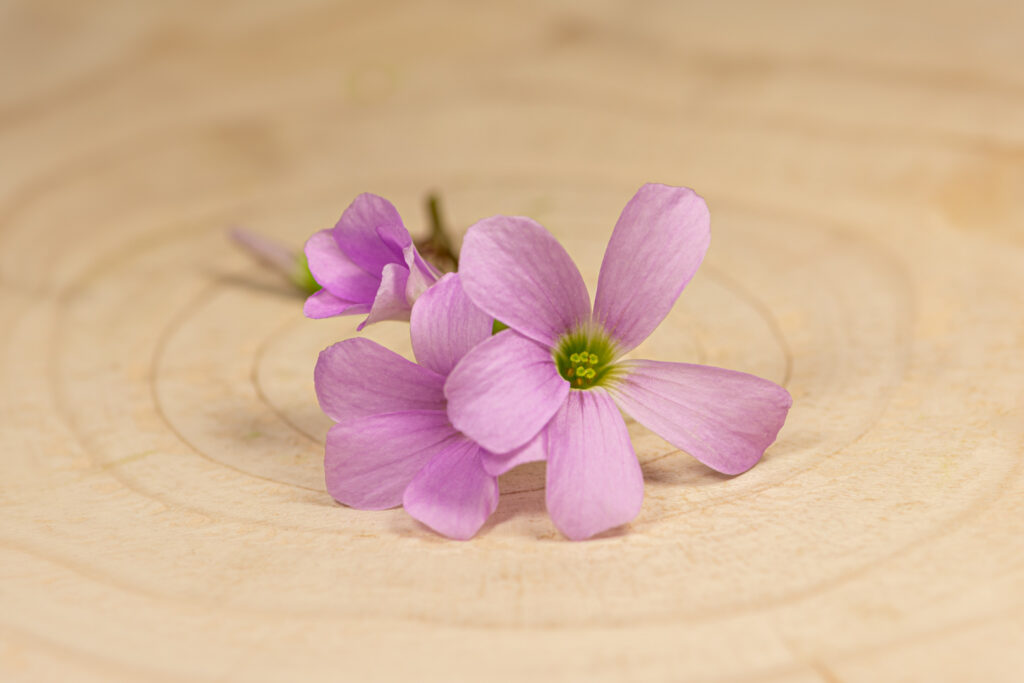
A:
x,y
437,247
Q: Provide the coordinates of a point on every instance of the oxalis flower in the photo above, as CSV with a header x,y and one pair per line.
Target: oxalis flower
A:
x,y
393,444
556,375
366,264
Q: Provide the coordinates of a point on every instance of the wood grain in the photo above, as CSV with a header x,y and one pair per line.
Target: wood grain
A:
x,y
163,510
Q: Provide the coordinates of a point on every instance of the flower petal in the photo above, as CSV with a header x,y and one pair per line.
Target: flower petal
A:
x,y
370,460
390,302
323,304
336,272
504,391
725,419
657,245
517,272
422,275
594,482
445,325
396,237
357,377
358,232
453,495
500,463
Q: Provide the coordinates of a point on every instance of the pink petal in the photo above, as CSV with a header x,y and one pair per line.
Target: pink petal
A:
x,y
517,272
445,325
500,463
453,495
504,391
357,377
396,237
390,302
323,304
422,275
369,461
594,482
657,245
358,232
336,272
725,419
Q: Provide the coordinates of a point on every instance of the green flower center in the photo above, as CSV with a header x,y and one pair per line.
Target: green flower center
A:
x,y
584,359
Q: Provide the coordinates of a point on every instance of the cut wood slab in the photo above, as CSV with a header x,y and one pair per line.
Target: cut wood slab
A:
x,y
163,509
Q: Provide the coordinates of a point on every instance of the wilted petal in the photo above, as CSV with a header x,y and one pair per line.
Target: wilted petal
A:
x,y
594,482
369,461
357,377
452,494
358,232
390,302
657,245
335,272
267,250
504,391
445,325
725,419
517,272
323,304
500,463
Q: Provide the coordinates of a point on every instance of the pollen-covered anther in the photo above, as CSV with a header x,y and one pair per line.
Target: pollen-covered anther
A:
x,y
583,358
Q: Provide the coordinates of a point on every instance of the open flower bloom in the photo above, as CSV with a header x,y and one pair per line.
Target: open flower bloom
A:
x,y
393,444
366,264
558,371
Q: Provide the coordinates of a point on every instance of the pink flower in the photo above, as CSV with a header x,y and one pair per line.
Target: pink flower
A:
x,y
366,264
393,444
554,378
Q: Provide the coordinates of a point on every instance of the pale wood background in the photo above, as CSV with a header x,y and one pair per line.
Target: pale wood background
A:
x,y
163,515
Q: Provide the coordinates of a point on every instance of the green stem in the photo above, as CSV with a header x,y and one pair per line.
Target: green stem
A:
x,y
437,247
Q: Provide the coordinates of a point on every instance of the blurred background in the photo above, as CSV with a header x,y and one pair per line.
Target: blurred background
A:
x,y
912,105
164,516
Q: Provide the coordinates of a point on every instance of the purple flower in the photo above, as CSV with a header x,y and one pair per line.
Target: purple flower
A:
x,y
393,444
366,264
558,372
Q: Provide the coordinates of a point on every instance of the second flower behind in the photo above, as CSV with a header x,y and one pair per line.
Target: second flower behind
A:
x,y
393,444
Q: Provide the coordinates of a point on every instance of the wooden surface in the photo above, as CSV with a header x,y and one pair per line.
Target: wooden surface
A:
x,y
163,512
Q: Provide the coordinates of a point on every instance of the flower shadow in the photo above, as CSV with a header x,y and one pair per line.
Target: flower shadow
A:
x,y
676,468
261,283
522,495
521,510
